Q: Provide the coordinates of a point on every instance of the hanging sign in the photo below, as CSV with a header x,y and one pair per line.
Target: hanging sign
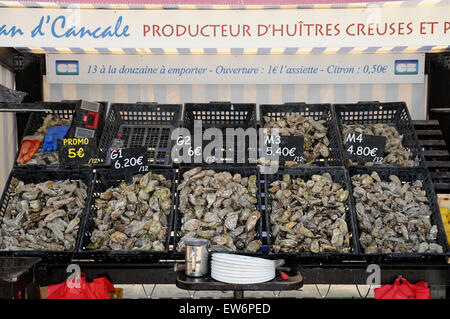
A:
x,y
235,69
415,26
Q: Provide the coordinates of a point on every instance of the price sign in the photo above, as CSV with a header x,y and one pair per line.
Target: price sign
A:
x,y
284,148
194,154
365,148
133,159
77,151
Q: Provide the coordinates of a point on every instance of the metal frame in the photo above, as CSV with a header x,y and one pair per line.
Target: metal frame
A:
x,y
437,273
164,273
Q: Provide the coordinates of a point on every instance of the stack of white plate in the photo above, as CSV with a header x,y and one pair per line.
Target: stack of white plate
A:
x,y
238,269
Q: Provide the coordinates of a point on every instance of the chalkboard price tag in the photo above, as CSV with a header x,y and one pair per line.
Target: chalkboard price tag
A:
x,y
189,153
284,148
365,148
77,151
134,160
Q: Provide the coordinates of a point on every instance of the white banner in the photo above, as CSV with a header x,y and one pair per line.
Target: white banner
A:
x,y
269,28
235,69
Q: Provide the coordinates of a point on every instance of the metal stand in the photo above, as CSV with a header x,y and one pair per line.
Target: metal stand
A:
x,y
238,294
207,283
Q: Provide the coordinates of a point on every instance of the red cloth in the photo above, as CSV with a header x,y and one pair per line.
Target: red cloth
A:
x,y
97,289
402,289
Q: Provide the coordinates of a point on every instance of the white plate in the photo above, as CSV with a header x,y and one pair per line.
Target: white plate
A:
x,y
240,258
240,270
243,263
233,266
241,280
235,272
242,274
260,278
243,271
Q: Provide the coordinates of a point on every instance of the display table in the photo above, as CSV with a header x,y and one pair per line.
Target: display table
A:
x,y
208,283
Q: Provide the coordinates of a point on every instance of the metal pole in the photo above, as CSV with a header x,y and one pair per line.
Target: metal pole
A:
x,y
238,294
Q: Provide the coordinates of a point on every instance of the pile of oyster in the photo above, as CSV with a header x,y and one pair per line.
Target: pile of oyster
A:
x,y
394,153
309,216
47,158
316,143
133,216
220,207
44,216
393,216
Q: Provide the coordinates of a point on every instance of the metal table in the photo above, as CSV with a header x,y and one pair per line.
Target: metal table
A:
x,y
338,273
207,283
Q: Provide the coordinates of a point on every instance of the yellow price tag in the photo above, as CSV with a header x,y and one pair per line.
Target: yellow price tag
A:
x,y
72,152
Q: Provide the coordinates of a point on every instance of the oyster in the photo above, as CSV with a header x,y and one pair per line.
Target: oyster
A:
x,y
393,216
220,207
309,216
395,153
316,142
44,216
133,216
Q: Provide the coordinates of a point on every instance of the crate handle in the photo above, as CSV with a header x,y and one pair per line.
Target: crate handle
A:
x,y
220,102
368,102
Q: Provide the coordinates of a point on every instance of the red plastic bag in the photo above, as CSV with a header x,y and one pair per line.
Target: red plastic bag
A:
x,y
402,289
97,289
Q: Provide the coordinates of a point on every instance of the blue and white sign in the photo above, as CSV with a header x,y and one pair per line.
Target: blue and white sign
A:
x,y
235,69
406,67
66,67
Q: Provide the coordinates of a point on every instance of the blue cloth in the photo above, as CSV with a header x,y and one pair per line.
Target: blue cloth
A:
x,y
54,134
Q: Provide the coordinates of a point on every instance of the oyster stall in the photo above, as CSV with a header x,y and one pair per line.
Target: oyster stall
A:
x,y
266,135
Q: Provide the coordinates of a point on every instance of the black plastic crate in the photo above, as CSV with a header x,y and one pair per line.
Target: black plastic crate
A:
x,y
142,125
223,116
39,176
245,171
393,113
315,112
339,175
410,175
104,179
65,110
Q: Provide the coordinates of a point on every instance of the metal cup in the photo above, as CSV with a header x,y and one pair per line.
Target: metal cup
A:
x,y
196,257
